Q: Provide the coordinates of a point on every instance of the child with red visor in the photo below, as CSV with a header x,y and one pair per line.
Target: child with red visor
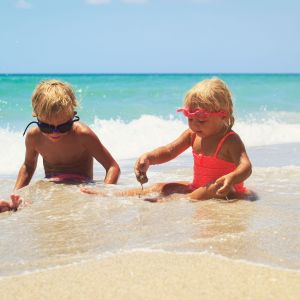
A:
x,y
66,145
221,163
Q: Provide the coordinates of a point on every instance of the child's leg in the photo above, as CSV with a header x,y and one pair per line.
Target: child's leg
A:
x,y
163,188
181,187
91,191
140,191
210,192
132,192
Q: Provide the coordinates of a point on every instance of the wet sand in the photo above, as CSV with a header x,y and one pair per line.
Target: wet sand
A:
x,y
155,275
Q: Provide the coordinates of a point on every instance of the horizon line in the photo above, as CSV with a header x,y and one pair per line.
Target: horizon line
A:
x,y
153,73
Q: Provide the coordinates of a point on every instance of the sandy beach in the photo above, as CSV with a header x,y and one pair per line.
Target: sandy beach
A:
x,y
155,275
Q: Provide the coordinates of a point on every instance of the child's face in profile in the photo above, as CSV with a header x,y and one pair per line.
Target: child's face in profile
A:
x,y
56,121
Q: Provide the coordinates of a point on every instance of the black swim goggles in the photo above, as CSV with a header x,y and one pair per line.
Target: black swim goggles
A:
x,y
47,128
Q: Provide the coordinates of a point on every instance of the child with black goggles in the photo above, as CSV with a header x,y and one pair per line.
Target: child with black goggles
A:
x,y
67,146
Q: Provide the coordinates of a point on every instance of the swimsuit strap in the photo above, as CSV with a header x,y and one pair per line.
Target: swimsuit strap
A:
x,y
221,142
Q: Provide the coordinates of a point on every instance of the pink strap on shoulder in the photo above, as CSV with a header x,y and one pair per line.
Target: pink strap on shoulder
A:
x,y
221,142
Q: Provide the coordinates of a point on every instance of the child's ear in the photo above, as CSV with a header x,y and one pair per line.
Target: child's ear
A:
x,y
34,114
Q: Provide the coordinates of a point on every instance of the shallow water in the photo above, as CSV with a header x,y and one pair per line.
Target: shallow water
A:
x,y
61,225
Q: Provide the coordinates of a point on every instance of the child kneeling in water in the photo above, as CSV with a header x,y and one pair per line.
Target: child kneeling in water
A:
x,y
221,163
67,146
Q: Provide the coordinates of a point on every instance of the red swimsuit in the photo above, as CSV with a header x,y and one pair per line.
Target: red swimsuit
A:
x,y
209,168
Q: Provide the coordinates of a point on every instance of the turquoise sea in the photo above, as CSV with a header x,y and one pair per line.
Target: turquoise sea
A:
x,y
134,113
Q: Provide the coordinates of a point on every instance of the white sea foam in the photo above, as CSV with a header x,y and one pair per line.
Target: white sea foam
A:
x,y
12,151
268,132
126,140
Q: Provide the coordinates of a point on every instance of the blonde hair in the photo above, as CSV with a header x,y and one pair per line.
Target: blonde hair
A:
x,y
52,97
212,95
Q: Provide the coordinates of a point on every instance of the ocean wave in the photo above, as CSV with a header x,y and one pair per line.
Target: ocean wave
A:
x,y
130,139
127,140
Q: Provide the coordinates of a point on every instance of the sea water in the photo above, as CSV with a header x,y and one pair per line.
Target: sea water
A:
x,y
132,114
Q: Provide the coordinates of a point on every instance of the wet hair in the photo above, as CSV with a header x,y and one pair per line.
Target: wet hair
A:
x,y
52,97
212,95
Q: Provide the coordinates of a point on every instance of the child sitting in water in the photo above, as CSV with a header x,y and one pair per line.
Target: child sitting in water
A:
x,y
66,145
221,163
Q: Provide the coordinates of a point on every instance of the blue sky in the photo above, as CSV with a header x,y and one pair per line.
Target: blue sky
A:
x,y
149,36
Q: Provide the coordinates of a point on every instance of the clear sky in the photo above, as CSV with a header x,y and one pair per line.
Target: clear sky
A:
x,y
149,36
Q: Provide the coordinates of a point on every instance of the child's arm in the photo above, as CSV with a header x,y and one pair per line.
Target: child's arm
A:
x,y
243,170
163,154
102,155
28,167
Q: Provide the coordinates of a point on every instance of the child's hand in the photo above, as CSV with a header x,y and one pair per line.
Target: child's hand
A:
x,y
16,200
4,206
141,166
226,184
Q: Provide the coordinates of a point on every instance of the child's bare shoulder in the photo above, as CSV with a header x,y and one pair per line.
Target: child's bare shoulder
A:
x,y
81,128
33,132
233,138
232,142
33,136
83,131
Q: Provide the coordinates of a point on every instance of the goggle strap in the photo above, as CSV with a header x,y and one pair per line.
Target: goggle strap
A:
x,y
33,122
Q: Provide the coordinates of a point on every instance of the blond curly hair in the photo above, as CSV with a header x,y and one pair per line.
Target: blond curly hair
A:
x,y
52,97
212,95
